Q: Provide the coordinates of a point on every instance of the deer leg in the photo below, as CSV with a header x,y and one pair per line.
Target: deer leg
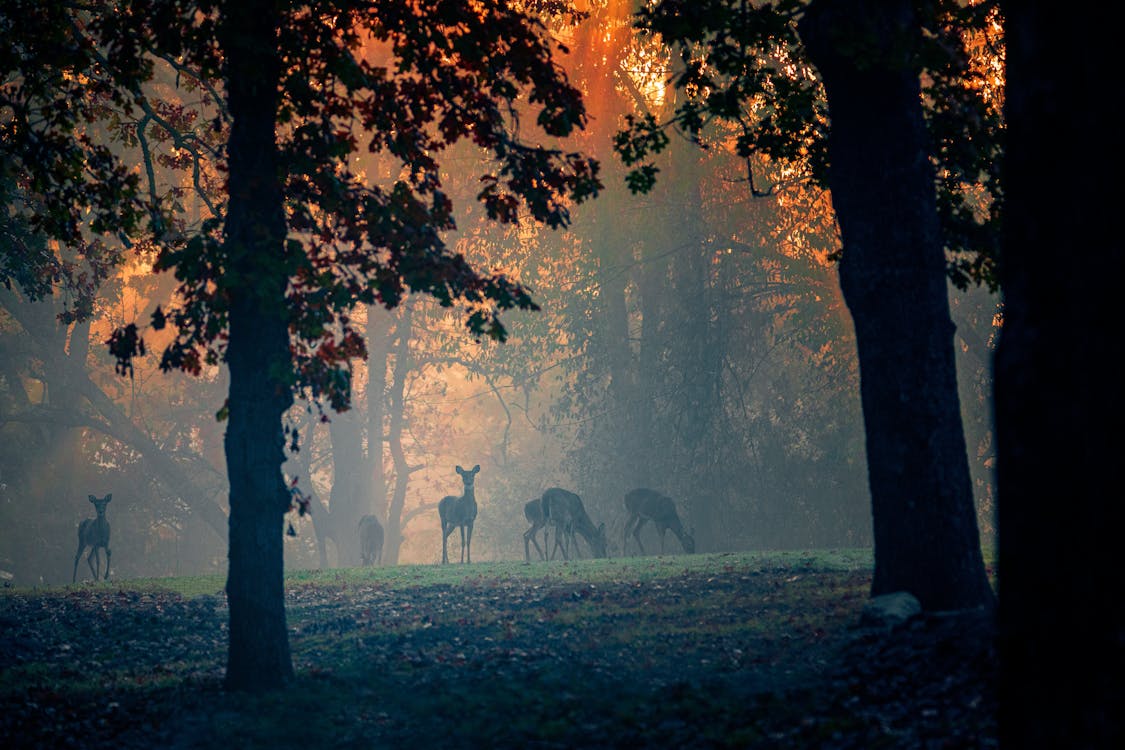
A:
x,y
77,557
107,556
469,542
630,525
558,543
445,532
528,540
90,561
637,533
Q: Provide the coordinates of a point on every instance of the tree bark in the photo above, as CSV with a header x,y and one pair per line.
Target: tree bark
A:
x,y
1059,403
257,352
892,274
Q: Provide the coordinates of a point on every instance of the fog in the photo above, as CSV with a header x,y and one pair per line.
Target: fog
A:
x,y
667,355
692,341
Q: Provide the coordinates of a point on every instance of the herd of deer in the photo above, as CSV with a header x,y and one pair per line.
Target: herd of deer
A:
x,y
557,508
563,511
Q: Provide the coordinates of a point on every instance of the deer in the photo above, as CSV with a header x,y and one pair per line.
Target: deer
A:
x,y
564,510
94,533
644,505
533,512
459,511
370,540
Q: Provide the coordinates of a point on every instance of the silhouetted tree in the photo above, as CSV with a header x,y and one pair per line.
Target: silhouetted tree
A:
x,y
865,135
1059,402
269,287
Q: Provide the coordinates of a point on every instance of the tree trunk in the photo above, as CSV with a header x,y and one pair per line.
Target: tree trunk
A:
x,y
348,502
378,344
112,421
257,353
1059,404
403,364
892,274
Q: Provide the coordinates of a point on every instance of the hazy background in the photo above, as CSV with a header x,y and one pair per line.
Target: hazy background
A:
x,y
692,340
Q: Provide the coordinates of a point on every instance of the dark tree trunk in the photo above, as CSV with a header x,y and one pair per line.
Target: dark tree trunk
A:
x,y
892,274
257,353
1059,403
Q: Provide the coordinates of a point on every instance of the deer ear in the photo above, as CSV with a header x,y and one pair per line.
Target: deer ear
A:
x,y
92,498
476,468
109,497
460,470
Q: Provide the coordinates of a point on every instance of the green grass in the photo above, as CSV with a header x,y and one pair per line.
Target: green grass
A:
x,y
605,570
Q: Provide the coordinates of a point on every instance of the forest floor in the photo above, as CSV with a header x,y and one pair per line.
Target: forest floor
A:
x,y
749,651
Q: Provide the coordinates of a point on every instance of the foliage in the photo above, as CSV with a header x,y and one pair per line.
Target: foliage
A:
x,y
56,179
744,64
452,72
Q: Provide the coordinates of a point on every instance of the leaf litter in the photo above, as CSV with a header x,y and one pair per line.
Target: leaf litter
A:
x,y
740,656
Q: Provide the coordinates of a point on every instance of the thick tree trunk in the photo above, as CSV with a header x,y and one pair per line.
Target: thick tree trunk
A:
x,y
1059,403
892,274
257,353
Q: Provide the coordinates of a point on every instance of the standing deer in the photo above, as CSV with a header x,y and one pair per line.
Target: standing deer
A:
x,y
94,533
459,512
533,512
371,540
648,505
563,510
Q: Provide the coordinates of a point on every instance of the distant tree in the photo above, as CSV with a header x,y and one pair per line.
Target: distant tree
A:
x,y
856,122
1059,400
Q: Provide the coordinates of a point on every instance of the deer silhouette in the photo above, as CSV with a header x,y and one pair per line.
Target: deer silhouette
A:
x,y
533,512
94,533
564,510
644,505
459,511
371,540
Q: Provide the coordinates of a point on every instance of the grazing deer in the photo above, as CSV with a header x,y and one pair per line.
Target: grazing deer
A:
x,y
533,512
94,533
459,512
371,540
648,505
563,510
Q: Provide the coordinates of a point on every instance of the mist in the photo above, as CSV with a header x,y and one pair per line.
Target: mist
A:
x,y
692,341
